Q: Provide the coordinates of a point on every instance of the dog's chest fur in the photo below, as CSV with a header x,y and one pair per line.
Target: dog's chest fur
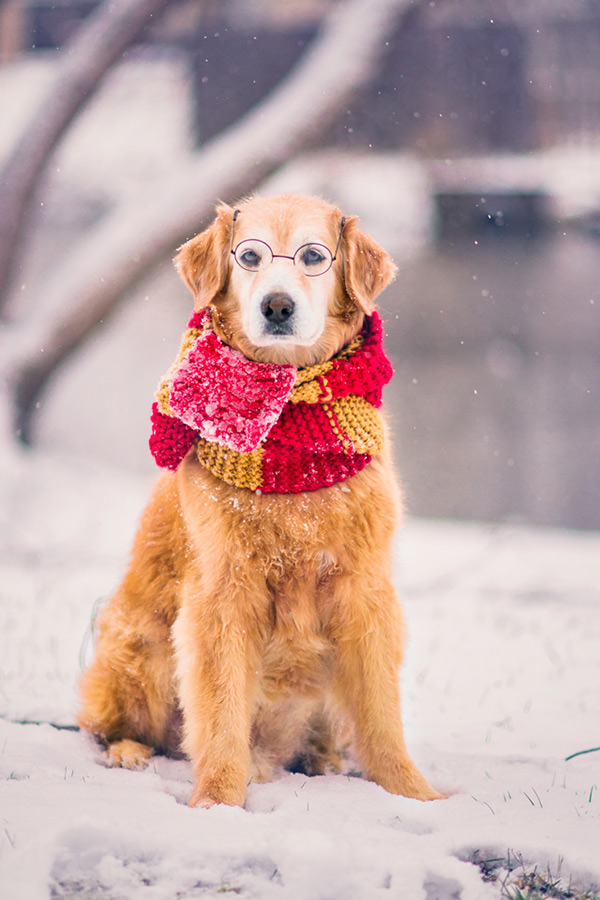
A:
x,y
301,548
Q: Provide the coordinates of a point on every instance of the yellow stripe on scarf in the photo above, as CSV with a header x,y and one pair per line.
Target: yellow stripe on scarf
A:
x,y
359,422
242,470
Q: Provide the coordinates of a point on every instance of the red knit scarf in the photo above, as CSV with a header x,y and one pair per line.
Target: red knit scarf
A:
x,y
267,427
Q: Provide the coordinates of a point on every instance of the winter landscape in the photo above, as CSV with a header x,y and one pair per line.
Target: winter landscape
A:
x,y
501,678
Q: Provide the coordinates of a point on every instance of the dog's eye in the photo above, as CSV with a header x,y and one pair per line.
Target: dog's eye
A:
x,y
250,258
313,259
312,256
252,255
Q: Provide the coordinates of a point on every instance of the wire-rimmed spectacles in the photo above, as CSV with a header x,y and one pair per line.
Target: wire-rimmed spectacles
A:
x,y
311,259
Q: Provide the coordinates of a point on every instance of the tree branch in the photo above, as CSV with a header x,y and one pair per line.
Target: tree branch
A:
x,y
86,59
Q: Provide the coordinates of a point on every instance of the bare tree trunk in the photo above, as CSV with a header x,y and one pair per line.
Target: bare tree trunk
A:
x,y
99,42
12,20
87,288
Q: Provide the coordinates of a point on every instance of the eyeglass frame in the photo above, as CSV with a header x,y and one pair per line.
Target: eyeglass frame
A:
x,y
283,255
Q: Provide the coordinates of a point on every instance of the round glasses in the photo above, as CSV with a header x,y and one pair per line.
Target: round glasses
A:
x,y
311,259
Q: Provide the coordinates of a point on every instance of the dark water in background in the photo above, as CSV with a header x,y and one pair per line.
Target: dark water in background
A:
x,y
495,406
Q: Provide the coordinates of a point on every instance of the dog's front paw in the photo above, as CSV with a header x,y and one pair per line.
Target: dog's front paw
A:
x,y
426,792
202,800
128,754
409,782
212,791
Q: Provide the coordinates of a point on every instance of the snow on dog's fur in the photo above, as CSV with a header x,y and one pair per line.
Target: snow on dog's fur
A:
x,y
255,630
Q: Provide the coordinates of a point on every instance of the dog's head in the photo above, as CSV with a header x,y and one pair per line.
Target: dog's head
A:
x,y
290,279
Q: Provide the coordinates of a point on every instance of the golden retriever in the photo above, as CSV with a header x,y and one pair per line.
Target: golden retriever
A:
x,y
255,630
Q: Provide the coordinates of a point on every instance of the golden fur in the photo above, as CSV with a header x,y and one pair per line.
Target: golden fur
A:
x,y
261,630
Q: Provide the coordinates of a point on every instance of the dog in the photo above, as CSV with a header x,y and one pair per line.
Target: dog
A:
x,y
257,626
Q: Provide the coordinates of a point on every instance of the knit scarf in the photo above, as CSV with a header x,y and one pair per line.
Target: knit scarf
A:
x,y
271,428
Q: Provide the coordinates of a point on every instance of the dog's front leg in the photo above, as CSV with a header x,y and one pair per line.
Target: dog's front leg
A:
x,y
217,643
368,634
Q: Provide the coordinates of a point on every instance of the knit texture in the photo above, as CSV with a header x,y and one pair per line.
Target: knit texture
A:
x,y
266,427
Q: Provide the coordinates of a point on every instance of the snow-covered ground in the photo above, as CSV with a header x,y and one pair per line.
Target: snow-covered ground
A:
x,y
501,680
500,685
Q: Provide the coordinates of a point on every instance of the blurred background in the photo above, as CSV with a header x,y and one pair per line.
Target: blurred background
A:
x,y
464,133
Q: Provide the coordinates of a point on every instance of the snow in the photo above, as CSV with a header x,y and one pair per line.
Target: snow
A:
x,y
501,673
500,684
134,130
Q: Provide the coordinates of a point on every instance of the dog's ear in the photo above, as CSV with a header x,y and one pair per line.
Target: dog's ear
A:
x,y
203,262
368,269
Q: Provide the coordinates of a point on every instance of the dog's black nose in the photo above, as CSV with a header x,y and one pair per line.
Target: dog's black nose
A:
x,y
277,308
